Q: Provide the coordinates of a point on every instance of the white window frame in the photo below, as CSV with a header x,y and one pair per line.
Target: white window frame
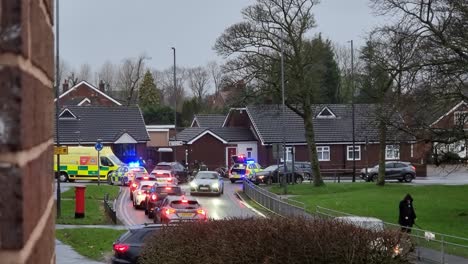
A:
x,y
392,148
288,154
321,150
412,151
357,149
456,117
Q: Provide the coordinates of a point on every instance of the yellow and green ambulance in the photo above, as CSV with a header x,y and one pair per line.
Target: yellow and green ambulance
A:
x,y
81,164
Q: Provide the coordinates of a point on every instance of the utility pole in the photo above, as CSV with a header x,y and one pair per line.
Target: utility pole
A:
x,y
285,190
352,106
175,105
57,109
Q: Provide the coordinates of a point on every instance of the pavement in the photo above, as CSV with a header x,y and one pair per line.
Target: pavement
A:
x,y
64,254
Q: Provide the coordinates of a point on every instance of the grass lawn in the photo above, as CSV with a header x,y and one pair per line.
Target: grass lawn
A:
x,y
94,243
439,208
94,213
94,192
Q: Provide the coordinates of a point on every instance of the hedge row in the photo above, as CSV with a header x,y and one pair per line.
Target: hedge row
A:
x,y
271,241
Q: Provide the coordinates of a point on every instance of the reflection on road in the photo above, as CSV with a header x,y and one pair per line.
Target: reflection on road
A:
x,y
225,206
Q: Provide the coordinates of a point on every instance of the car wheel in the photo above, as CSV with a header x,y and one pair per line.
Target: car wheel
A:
x,y
63,177
233,180
299,179
109,180
408,177
222,190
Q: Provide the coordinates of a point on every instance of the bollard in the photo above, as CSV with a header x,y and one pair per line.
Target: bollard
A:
x,y
80,201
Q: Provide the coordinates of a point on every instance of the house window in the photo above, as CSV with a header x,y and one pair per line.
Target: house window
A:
x,y
323,153
326,113
356,153
460,118
392,152
412,150
290,153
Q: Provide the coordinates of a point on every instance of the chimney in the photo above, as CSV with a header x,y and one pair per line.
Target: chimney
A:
x,y
102,86
65,86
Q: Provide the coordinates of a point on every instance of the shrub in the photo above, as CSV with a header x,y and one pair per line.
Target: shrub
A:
x,y
270,241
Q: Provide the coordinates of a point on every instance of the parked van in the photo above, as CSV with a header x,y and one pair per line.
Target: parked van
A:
x,y
81,164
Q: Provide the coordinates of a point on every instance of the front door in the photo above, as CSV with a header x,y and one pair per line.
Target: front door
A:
x,y
230,151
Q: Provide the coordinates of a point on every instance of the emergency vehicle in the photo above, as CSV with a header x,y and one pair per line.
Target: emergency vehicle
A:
x,y
81,164
243,168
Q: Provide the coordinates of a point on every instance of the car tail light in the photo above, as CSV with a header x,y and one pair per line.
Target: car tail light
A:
x,y
169,180
169,211
145,178
139,192
413,168
168,188
201,212
134,185
121,248
153,197
184,201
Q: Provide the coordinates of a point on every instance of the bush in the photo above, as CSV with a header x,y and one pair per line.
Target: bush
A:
x,y
270,241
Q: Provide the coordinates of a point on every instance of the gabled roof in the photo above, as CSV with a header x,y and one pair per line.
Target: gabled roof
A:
x,y
223,134
267,122
91,87
453,109
109,123
208,120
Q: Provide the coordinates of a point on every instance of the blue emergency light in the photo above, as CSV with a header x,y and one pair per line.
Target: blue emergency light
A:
x,y
134,164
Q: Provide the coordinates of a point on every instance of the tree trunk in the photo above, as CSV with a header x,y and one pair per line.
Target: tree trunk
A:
x,y
383,139
309,133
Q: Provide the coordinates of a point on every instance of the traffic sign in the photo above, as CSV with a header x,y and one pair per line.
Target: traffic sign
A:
x,y
62,150
98,146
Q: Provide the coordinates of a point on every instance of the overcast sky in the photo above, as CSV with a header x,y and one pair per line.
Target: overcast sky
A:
x,y
93,31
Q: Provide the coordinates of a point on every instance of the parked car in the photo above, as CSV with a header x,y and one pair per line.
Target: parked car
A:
x,y
164,177
274,173
242,168
179,209
134,185
304,166
207,182
140,194
394,170
128,246
176,169
157,194
125,174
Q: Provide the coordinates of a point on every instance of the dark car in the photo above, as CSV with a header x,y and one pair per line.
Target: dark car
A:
x,y
177,170
134,185
394,170
304,166
273,174
128,246
157,194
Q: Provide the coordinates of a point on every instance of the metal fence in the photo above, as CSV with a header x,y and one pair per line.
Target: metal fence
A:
x,y
273,202
109,209
431,246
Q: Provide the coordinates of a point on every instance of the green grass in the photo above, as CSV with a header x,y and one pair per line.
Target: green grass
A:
x,y
94,192
94,213
94,243
439,208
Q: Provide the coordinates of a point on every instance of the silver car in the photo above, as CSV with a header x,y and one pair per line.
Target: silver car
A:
x,y
179,209
207,182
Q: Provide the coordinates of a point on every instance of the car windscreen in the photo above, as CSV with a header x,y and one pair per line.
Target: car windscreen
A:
x,y
169,190
137,236
163,167
184,205
145,187
271,168
206,175
138,169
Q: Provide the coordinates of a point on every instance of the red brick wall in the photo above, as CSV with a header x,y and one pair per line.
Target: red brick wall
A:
x,y
238,119
208,150
83,90
449,120
26,111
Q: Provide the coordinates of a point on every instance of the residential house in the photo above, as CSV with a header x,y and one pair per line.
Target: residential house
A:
x,y
158,146
208,120
262,128
84,93
120,127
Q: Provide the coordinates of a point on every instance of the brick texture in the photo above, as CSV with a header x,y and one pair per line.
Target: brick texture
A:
x,y
26,111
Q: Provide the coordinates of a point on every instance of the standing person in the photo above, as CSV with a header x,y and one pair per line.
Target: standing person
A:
x,y
407,214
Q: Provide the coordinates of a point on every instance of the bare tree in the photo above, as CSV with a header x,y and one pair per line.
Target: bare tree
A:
x,y
85,73
64,70
129,77
217,75
198,79
165,81
107,73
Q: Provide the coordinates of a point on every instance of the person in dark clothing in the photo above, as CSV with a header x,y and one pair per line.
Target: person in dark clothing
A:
x,y
407,214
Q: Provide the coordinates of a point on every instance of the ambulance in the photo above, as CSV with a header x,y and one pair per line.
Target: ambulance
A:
x,y
81,164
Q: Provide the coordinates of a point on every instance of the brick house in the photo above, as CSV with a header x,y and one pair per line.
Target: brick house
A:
x,y
85,93
120,127
208,120
158,148
333,135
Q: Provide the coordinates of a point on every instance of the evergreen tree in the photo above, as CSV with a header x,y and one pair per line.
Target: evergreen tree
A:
x,y
149,94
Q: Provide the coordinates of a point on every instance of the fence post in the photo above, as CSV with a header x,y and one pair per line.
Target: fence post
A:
x,y
442,251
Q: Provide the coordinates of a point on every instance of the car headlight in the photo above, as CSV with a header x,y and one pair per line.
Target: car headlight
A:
x,y
193,184
215,185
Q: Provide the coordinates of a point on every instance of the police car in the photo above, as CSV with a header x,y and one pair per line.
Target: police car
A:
x,y
124,175
243,168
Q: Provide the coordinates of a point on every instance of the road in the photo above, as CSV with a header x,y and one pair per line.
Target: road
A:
x,y
226,205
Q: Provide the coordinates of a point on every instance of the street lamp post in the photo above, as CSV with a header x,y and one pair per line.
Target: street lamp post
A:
x,y
352,106
175,105
57,86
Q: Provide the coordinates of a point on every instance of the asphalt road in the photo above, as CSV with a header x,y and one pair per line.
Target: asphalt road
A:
x,y
225,206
